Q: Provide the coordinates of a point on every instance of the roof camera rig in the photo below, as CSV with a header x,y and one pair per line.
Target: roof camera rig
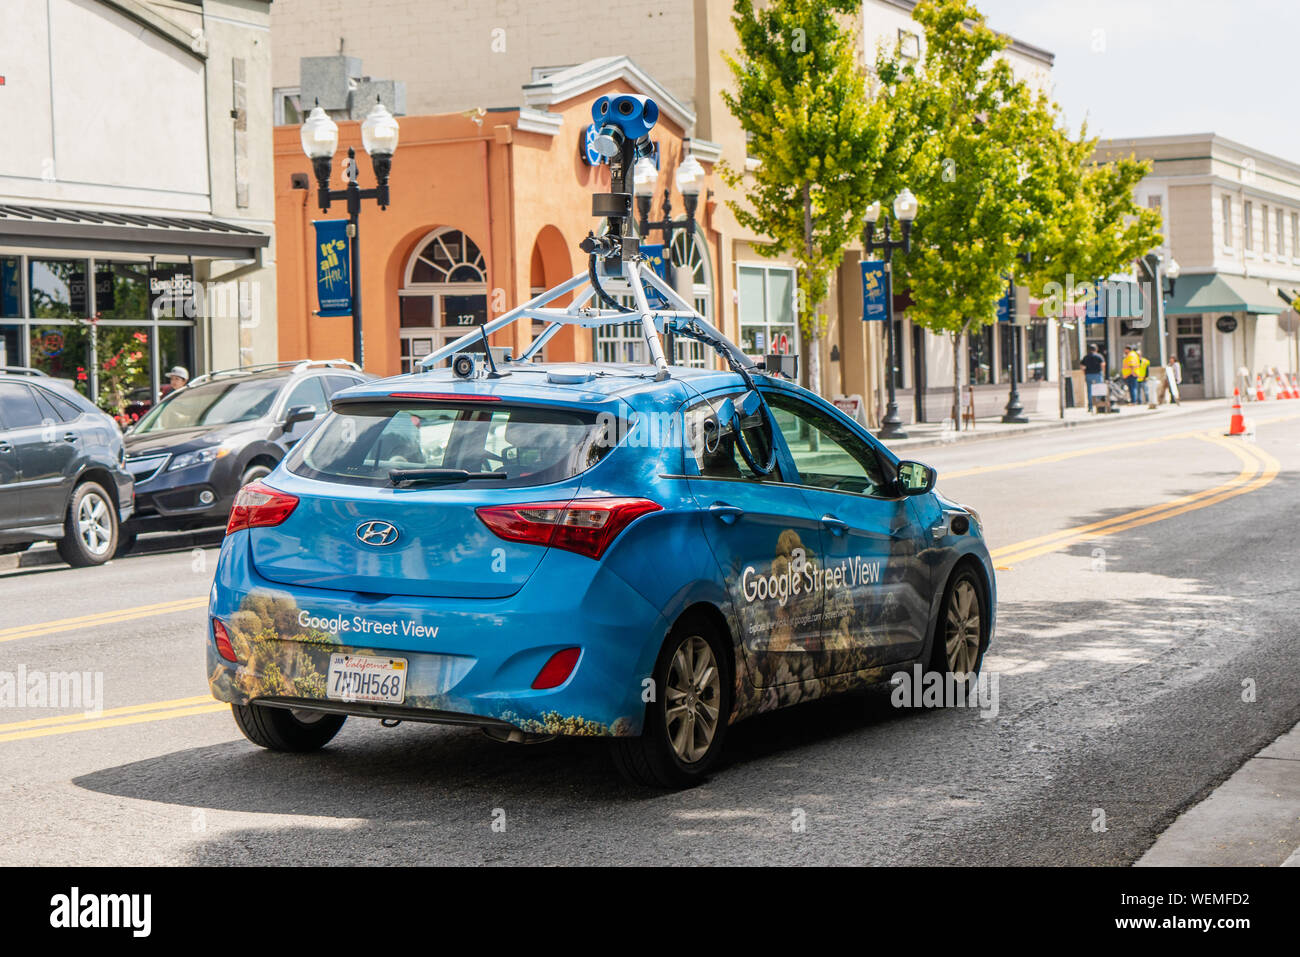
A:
x,y
615,267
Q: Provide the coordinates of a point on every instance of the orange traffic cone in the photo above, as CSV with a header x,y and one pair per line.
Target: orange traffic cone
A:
x,y
1259,388
1283,390
1236,424
1295,388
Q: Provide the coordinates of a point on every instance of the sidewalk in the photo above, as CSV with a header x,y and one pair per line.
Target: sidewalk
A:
x,y
929,434
1250,820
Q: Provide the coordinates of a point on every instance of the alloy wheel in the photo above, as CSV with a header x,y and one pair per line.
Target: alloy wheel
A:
x,y
962,634
693,696
94,524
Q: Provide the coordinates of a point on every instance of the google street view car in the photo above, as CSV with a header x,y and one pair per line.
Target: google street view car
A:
x,y
648,553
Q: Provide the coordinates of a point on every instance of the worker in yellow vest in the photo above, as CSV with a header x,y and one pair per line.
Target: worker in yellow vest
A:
x,y
1129,370
1143,370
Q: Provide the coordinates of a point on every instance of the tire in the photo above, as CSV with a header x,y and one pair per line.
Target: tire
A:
x,y
677,751
90,527
961,633
125,542
279,729
253,473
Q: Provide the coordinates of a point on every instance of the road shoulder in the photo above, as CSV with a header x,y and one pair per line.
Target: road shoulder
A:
x,y
1251,820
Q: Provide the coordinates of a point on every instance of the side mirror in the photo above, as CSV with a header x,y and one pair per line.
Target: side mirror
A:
x,y
298,413
915,478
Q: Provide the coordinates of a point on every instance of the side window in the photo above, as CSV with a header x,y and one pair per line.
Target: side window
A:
x,y
336,383
721,459
308,392
826,453
18,409
65,409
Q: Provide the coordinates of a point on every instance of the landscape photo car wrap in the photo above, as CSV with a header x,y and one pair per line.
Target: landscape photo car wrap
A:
x,y
281,658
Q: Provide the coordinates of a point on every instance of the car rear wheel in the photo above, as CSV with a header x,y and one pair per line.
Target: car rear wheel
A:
x,y
961,632
253,473
686,723
89,528
280,729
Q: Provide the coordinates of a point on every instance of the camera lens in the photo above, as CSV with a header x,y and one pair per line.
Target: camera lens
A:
x,y
625,107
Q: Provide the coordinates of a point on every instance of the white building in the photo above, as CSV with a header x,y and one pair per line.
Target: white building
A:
x,y
138,150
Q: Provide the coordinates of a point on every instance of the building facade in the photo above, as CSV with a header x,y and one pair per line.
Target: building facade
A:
x,y
1232,222
499,58
136,207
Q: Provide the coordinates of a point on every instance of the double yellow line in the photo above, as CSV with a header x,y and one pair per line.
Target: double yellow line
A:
x,y
112,718
101,618
1258,469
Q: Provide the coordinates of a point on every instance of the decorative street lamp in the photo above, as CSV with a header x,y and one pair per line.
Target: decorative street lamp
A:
x,y
905,207
690,179
1014,411
1161,276
320,139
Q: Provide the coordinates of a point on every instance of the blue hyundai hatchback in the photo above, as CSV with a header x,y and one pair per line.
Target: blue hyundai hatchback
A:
x,y
587,550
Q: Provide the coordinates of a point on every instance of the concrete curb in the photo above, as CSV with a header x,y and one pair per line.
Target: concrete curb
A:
x,y
1000,432
42,555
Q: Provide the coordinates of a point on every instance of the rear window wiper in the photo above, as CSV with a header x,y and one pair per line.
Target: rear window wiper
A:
x,y
442,476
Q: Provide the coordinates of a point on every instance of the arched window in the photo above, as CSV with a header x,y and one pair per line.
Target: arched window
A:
x,y
443,294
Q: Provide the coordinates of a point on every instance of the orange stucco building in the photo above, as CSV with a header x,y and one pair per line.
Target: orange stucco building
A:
x,y
487,209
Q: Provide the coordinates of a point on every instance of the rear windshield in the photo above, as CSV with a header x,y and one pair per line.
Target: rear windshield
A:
x,y
362,443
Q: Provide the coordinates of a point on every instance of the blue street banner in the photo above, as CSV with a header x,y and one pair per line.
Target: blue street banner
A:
x,y
1004,305
653,253
333,273
875,291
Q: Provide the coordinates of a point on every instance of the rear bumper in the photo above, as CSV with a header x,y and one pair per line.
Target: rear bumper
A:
x,y
469,661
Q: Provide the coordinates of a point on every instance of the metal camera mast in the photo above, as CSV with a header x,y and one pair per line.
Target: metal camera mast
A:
x,y
615,266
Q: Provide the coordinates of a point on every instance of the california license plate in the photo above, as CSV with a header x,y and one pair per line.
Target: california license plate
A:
x,y
365,678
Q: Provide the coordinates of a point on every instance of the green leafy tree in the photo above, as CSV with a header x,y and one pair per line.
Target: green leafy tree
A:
x,y
800,95
965,134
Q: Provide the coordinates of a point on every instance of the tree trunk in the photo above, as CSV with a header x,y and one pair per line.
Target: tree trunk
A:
x,y
812,347
956,380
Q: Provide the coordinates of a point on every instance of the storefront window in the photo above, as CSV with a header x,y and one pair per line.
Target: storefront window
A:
x,y
1007,335
766,308
979,350
1036,352
11,307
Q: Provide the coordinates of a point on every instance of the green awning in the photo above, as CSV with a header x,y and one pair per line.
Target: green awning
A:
x,y
1221,292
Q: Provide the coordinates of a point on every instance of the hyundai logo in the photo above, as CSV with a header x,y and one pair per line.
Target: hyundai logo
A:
x,y
376,533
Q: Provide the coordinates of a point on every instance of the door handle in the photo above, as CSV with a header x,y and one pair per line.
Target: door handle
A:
x,y
835,525
69,436
5,446
726,513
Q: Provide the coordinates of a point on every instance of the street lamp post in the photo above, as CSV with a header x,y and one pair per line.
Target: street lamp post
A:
x,y
320,138
1162,276
905,206
689,177
1014,411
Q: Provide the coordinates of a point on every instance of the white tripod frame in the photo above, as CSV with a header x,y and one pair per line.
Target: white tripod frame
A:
x,y
654,322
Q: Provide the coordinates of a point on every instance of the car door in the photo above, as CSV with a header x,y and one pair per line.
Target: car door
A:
x,y
876,586
308,391
11,491
46,450
765,539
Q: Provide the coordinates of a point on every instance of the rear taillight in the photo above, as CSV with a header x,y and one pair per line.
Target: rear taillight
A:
x,y
584,525
259,505
222,637
556,671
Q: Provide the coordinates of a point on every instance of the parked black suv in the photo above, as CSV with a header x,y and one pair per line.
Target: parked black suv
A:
x,y
197,447
61,469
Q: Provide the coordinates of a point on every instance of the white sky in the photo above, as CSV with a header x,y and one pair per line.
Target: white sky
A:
x,y
1154,67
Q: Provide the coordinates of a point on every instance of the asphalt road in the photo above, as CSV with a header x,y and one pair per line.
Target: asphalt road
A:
x,y
1148,570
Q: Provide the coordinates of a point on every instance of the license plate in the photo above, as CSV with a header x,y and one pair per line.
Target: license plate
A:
x,y
363,678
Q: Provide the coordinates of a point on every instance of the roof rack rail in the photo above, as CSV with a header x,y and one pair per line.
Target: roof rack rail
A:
x,y
296,365
22,370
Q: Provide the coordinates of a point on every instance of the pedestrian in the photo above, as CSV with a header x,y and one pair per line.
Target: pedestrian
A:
x,y
176,379
1143,371
1094,373
1173,379
1129,370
